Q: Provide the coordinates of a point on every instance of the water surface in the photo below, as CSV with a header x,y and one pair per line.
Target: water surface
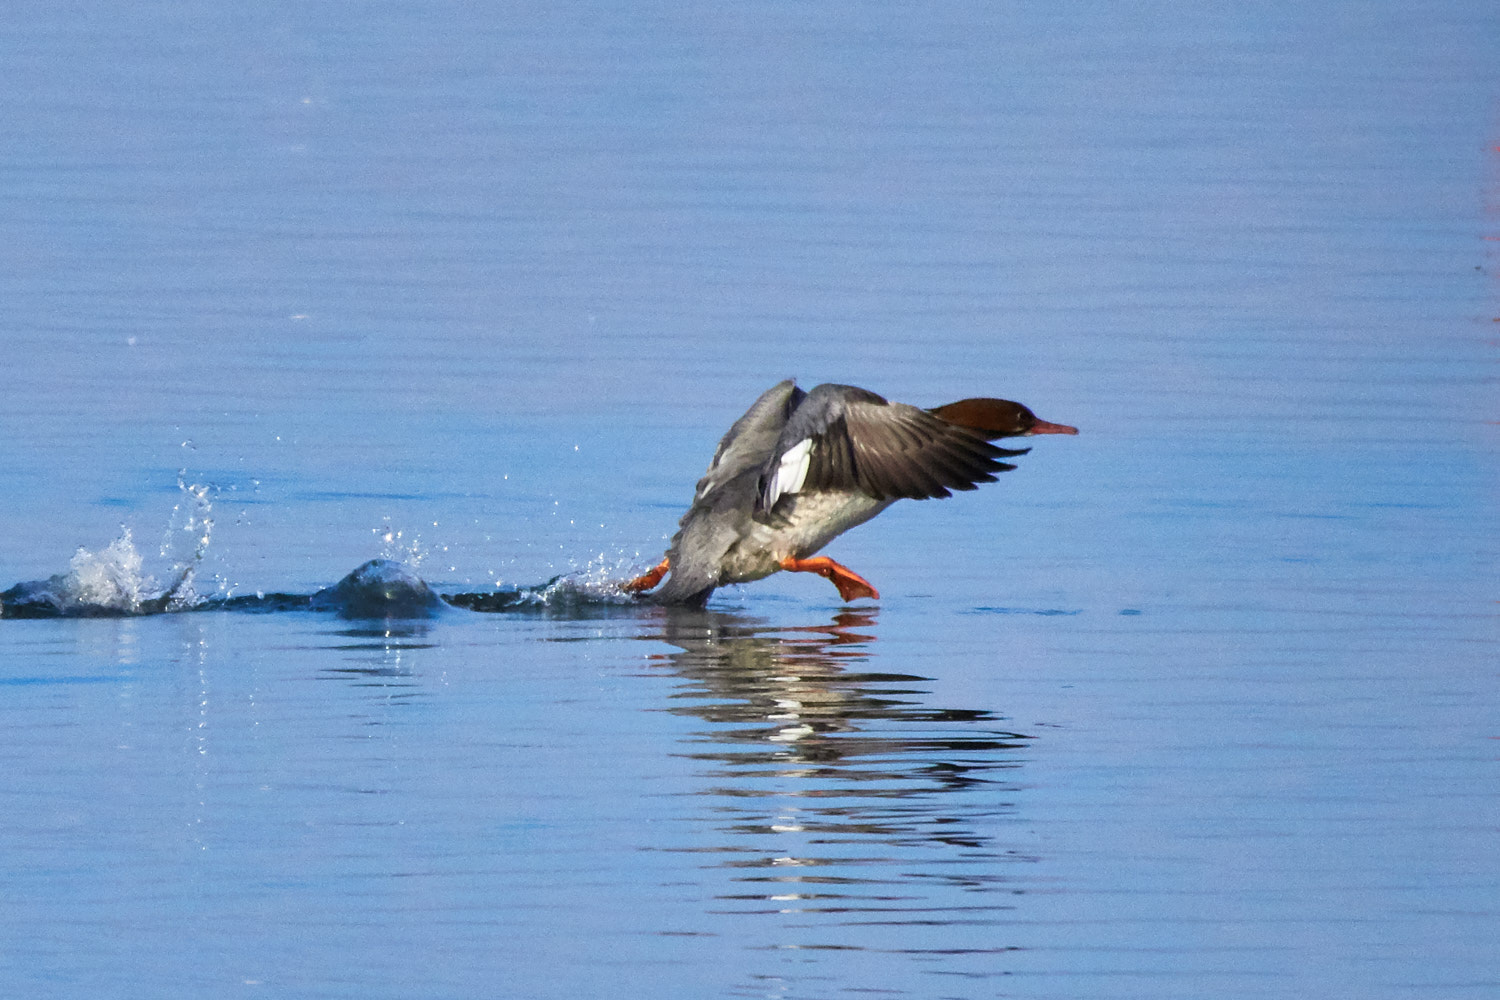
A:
x,y
1198,703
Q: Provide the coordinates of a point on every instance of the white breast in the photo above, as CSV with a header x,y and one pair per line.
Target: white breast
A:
x,y
801,527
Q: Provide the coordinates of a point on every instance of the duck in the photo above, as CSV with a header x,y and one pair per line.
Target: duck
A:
x,y
800,468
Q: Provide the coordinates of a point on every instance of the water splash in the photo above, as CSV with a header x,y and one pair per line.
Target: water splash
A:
x,y
594,586
110,582
395,546
602,577
114,578
381,588
114,581
186,541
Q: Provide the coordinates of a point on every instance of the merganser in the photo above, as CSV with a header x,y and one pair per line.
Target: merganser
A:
x,y
801,468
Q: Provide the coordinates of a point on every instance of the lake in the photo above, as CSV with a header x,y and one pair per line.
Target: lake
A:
x,y
1200,703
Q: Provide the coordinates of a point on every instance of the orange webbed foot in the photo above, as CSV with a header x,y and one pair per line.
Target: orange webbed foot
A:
x,y
647,580
851,585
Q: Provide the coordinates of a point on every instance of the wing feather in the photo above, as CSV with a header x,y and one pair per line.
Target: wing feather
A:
x,y
842,438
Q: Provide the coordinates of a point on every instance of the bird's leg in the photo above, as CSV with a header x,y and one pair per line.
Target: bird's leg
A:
x,y
851,585
647,580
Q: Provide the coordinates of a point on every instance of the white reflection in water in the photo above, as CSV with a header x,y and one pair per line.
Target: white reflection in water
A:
x,y
378,657
836,795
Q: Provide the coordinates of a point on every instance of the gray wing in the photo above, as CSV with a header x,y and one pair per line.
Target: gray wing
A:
x,y
844,438
725,497
752,438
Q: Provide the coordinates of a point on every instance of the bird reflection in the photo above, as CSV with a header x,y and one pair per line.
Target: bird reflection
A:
x,y
828,780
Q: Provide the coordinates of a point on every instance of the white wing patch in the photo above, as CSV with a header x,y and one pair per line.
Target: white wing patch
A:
x,y
791,471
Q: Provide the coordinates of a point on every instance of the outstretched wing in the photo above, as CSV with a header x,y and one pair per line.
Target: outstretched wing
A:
x,y
843,438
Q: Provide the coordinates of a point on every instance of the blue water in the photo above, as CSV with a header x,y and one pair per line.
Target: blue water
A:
x,y
1198,703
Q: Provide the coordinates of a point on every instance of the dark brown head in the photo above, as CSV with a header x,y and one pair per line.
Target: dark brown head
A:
x,y
997,418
